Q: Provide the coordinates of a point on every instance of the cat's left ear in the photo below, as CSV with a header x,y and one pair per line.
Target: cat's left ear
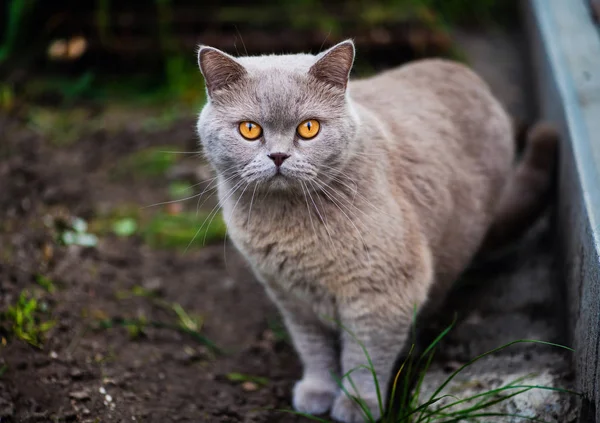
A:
x,y
334,64
219,68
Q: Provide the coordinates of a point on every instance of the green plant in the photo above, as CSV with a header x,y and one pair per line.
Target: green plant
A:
x,y
439,407
102,18
187,323
17,11
184,230
25,321
240,377
149,162
46,283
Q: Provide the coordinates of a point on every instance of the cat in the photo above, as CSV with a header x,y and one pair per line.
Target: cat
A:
x,y
357,203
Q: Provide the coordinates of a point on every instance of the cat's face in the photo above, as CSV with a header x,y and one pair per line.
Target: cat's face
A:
x,y
284,122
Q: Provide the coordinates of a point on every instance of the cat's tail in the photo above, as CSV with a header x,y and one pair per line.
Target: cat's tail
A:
x,y
529,189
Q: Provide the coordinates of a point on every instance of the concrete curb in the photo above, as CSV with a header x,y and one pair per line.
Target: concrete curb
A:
x,y
565,47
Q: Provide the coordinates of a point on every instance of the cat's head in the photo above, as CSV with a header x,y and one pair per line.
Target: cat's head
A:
x,y
279,119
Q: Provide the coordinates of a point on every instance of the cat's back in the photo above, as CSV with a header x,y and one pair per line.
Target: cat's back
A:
x,y
438,112
430,88
449,146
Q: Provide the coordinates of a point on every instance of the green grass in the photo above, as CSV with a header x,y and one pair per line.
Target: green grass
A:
x,y
25,319
241,378
439,407
46,283
149,162
184,322
15,19
184,231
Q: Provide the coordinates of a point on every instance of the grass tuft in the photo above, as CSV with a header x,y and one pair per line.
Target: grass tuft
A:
x,y
185,322
25,320
436,409
184,230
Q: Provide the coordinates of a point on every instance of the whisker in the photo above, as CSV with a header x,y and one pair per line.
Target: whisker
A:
x,y
170,202
319,213
331,196
308,208
362,197
227,226
251,202
214,189
180,152
214,210
241,39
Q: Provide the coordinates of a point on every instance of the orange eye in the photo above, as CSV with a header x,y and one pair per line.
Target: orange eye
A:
x,y
309,129
250,130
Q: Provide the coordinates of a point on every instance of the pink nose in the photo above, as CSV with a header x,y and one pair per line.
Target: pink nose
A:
x,y
278,158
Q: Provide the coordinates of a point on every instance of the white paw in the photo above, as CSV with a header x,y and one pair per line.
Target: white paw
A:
x,y
314,396
346,410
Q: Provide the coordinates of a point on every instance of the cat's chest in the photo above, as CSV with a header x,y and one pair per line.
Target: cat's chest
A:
x,y
289,243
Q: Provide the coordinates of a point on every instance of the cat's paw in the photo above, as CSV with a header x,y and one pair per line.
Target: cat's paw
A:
x,y
346,410
314,396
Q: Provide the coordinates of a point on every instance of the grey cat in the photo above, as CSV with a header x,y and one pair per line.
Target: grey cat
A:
x,y
356,203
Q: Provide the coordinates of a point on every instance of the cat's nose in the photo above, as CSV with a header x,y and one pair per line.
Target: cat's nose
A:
x,y
278,158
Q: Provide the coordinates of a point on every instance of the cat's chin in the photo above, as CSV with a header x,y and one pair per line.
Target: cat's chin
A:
x,y
280,182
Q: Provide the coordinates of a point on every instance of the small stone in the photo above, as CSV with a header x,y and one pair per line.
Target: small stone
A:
x,y
249,386
268,335
153,285
108,398
76,373
102,390
129,395
174,209
85,411
80,395
53,355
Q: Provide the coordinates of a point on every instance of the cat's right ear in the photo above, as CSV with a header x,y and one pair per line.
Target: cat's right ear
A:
x,y
219,68
333,65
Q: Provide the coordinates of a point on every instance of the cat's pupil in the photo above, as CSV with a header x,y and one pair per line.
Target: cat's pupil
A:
x,y
308,125
249,126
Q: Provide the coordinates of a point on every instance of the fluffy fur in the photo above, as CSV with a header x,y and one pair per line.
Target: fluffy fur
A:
x,y
374,217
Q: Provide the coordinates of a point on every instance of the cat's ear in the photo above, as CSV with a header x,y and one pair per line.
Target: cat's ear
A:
x,y
219,68
334,64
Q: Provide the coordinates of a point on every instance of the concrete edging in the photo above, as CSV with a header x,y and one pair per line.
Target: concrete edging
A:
x,y
565,47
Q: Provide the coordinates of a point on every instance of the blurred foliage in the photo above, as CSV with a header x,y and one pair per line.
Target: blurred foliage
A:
x,y
185,230
25,321
61,127
17,11
178,81
149,162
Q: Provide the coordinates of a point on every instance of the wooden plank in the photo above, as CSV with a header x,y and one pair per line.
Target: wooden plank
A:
x,y
566,55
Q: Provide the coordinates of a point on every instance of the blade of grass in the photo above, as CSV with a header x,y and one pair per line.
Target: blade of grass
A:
x,y
521,416
362,346
308,416
479,357
358,402
417,391
109,323
479,406
394,385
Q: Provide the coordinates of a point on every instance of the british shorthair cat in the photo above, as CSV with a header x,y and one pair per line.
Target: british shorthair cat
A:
x,y
357,202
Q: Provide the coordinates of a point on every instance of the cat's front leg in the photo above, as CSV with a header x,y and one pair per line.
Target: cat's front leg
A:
x,y
382,329
316,346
